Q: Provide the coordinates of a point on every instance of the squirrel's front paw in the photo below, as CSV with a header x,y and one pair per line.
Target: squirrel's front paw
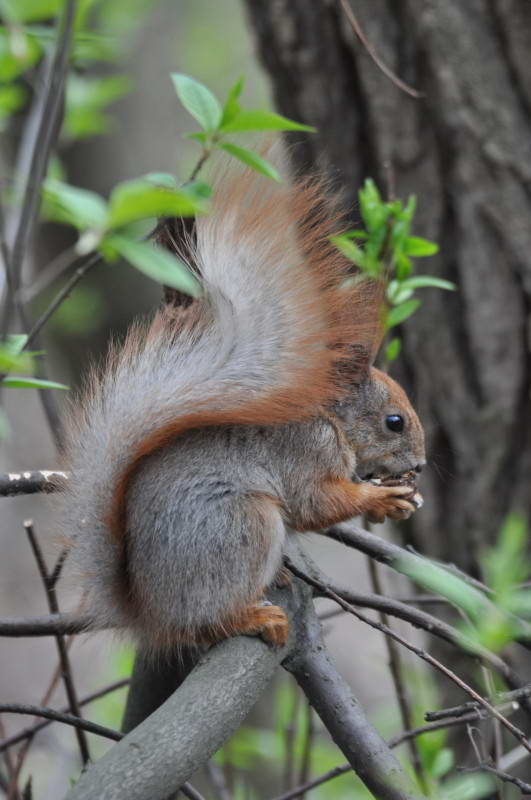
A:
x,y
395,502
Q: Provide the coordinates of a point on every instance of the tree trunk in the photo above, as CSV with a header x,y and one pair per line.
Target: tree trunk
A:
x,y
464,148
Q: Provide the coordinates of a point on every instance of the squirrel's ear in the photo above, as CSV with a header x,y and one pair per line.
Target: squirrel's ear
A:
x,y
355,369
178,235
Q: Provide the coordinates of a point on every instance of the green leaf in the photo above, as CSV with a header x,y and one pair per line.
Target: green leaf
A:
x,y
18,52
140,198
198,137
257,120
73,206
442,763
400,313
373,211
162,179
15,342
417,247
198,101
11,99
355,234
252,160
232,107
349,249
30,10
404,266
392,350
158,264
31,383
426,281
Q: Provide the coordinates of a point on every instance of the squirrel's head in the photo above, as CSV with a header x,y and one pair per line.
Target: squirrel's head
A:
x,y
383,428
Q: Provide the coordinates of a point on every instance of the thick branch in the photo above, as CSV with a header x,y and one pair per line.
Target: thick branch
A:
x,y
221,690
331,697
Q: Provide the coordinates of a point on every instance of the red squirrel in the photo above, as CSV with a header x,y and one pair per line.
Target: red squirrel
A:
x,y
220,428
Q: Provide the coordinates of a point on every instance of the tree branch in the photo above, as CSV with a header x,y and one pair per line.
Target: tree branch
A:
x,y
439,666
30,482
64,661
342,715
414,566
51,625
221,689
430,624
29,733
60,716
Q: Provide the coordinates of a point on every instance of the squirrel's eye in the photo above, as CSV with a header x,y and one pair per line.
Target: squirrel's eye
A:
x,y
395,423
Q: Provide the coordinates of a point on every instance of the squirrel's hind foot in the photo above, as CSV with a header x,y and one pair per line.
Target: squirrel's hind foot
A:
x,y
265,620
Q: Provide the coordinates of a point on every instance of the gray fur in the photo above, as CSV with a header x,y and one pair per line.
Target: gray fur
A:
x,y
206,516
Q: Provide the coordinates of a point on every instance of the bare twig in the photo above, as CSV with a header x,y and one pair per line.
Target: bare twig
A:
x,y
459,711
217,779
90,261
49,625
397,740
28,733
289,740
59,716
395,668
439,666
374,55
307,748
66,670
30,482
484,766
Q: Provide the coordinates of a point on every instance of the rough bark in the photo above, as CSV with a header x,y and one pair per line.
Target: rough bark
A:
x,y
464,149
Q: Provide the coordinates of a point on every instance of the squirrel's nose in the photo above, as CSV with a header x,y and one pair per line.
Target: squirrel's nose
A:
x,y
419,466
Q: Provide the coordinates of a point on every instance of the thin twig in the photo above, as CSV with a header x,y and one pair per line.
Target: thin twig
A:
x,y
48,625
464,708
87,264
289,740
31,482
395,668
66,671
307,747
484,766
217,779
374,55
30,732
439,666
397,740
58,716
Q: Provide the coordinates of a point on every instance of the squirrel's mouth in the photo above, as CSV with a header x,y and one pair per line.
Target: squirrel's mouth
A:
x,y
409,476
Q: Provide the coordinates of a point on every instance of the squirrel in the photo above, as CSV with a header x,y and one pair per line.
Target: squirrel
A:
x,y
223,426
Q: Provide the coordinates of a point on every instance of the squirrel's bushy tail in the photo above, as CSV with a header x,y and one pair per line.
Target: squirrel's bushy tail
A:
x,y
263,344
